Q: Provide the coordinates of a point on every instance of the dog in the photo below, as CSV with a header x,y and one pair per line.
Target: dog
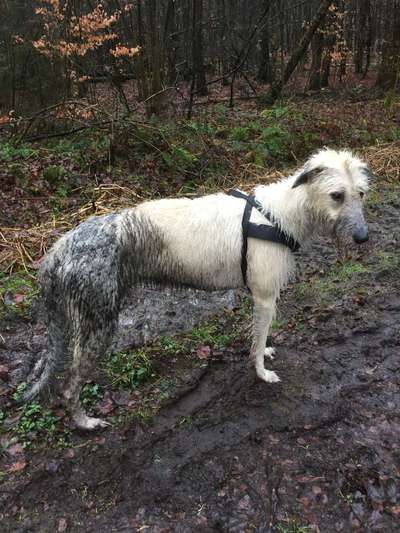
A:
x,y
189,242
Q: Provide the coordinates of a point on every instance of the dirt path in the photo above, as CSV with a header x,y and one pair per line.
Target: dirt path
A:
x,y
230,453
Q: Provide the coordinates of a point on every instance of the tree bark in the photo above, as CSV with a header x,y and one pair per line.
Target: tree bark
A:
x,y
361,35
197,49
368,44
170,42
265,69
154,105
276,89
316,57
389,69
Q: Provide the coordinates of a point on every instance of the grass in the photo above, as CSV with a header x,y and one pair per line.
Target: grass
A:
x,y
276,325
130,369
17,394
145,413
17,292
36,425
127,370
346,271
266,136
347,498
9,152
207,333
188,420
171,346
91,393
292,526
388,261
336,280
210,334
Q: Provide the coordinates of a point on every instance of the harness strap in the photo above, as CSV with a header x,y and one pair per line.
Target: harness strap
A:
x,y
259,231
245,231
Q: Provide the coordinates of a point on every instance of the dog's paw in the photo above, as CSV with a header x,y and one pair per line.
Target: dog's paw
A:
x,y
97,423
269,352
268,376
88,423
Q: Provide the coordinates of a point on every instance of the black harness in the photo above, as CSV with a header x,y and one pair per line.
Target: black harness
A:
x,y
260,231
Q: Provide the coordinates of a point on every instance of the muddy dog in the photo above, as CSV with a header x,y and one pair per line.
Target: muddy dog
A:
x,y
200,243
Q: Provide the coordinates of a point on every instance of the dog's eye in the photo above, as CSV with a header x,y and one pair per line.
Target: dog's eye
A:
x,y
337,196
362,194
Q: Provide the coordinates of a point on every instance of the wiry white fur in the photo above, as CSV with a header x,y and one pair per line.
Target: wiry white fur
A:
x,y
203,235
297,210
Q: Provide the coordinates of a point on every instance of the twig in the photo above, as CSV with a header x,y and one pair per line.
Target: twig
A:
x,y
69,132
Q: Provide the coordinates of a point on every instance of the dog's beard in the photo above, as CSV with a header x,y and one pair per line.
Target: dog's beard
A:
x,y
346,248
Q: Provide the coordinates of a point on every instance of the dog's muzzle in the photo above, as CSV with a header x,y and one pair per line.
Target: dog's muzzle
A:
x,y
361,235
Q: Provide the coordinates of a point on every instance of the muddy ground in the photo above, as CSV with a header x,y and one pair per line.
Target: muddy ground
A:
x,y
229,453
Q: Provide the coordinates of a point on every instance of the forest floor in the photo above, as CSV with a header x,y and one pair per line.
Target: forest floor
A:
x,y
197,443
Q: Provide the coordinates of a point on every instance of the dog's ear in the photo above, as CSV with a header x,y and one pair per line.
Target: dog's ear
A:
x,y
306,176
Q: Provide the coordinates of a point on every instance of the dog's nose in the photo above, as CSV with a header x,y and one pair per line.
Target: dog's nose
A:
x,y
361,235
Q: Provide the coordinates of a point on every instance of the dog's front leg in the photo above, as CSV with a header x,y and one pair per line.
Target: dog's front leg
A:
x,y
263,313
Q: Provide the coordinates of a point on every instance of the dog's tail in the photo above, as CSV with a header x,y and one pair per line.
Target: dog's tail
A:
x,y
54,359
47,366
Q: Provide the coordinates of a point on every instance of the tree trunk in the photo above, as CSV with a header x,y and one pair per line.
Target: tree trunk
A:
x,y
343,66
276,89
361,20
368,44
329,44
316,57
223,39
265,69
197,56
155,100
389,69
170,42
140,66
326,68
361,39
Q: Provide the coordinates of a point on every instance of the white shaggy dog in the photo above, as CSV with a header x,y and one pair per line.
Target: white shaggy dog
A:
x,y
197,243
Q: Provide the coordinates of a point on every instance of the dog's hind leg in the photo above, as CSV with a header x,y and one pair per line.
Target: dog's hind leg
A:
x,y
263,312
84,350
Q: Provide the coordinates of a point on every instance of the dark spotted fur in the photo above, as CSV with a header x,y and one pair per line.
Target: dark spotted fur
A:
x,y
84,279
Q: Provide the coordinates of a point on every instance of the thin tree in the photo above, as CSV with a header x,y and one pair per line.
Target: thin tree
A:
x,y
276,88
389,69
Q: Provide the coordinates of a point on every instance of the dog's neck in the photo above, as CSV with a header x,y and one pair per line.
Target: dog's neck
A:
x,y
290,209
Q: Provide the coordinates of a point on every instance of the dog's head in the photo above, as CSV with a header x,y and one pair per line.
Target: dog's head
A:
x,y
335,184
